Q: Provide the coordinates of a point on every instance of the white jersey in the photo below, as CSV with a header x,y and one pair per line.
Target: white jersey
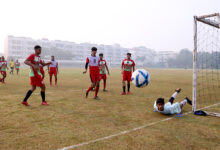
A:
x,y
169,109
53,64
93,61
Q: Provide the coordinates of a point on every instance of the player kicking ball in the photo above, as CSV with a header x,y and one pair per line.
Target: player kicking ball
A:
x,y
53,70
35,77
93,63
171,108
102,67
127,67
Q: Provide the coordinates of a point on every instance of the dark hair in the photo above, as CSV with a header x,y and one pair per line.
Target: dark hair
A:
x,y
94,49
37,47
52,56
160,100
101,54
129,54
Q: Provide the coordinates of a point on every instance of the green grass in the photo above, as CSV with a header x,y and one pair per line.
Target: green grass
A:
x,y
71,119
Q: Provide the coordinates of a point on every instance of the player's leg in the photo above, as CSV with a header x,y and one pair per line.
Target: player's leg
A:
x,y
17,70
104,82
55,79
92,85
4,76
174,95
124,78
128,87
183,102
28,94
97,90
43,89
12,70
51,79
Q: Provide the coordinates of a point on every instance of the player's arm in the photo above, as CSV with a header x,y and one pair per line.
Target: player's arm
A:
x,y
122,66
107,69
57,68
45,64
27,62
133,66
86,66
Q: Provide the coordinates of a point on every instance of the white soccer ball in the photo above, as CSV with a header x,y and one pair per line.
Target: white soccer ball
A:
x,y
140,78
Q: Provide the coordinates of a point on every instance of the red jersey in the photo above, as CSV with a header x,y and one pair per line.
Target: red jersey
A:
x,y
36,60
102,65
93,62
128,64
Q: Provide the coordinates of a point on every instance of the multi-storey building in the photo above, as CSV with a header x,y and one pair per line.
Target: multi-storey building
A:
x,y
21,47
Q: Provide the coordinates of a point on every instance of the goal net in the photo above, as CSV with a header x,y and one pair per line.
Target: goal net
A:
x,y
206,62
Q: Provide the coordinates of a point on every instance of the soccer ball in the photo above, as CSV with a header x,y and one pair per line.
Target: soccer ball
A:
x,y
140,78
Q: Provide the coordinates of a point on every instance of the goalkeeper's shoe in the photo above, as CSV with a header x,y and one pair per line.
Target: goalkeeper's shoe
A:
x,y
188,101
25,103
178,90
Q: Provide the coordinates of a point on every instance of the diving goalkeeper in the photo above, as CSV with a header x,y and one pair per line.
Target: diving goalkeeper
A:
x,y
171,108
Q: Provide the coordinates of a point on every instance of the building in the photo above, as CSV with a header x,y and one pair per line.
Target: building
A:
x,y
64,51
163,56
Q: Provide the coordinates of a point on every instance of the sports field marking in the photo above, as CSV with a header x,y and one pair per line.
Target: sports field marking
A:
x,y
126,131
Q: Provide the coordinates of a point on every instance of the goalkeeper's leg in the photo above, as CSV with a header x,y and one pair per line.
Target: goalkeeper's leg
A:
x,y
174,95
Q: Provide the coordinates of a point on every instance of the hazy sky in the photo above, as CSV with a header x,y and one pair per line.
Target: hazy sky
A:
x,y
157,24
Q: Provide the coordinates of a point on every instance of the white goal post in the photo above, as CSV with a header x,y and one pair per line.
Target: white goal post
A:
x,y
210,23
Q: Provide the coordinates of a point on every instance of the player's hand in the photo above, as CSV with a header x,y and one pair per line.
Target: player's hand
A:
x,y
35,67
122,72
84,72
108,73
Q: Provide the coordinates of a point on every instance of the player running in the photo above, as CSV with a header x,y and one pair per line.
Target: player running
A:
x,y
102,66
17,66
35,78
93,63
127,67
4,66
53,70
11,63
171,108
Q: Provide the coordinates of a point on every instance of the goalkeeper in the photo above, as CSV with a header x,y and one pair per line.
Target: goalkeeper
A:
x,y
171,108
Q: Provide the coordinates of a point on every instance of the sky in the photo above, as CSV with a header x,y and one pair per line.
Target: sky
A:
x,y
157,24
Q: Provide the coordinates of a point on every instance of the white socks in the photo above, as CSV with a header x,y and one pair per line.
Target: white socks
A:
x,y
174,95
183,102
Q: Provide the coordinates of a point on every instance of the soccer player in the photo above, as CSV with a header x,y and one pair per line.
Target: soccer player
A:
x,y
11,63
35,78
102,66
93,63
127,67
171,108
4,66
0,68
17,66
53,70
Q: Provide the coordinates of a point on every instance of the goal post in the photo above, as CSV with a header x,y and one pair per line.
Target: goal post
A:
x,y
206,61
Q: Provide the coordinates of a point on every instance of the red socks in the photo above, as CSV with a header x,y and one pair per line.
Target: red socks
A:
x,y
104,85
89,89
96,90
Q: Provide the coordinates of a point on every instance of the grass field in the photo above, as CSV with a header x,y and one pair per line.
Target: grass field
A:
x,y
71,119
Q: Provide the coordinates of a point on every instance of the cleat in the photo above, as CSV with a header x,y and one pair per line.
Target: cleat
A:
x,y
128,93
123,93
188,101
25,103
45,103
104,90
87,93
97,98
178,90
